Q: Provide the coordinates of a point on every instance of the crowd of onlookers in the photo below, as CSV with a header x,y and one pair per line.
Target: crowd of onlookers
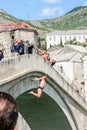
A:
x,y
21,47
46,56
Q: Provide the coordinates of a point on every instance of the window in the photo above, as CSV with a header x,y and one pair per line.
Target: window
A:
x,y
86,40
79,37
54,38
50,39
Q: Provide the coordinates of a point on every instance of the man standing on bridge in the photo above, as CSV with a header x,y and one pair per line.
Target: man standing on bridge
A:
x,y
40,87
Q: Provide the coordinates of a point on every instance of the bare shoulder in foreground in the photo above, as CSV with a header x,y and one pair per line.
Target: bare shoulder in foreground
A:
x,y
8,112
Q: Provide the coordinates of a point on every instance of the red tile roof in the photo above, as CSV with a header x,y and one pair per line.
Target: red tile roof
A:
x,y
14,26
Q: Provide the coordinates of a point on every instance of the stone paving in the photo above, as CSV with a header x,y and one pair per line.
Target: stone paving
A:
x,y
21,124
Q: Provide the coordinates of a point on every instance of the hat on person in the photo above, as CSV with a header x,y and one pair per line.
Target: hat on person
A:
x,y
27,41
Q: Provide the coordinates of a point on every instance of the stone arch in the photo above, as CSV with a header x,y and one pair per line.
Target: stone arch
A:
x,y
22,84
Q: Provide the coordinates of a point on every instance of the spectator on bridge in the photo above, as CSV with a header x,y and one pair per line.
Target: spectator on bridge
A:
x,y
61,69
30,48
14,45
20,47
40,51
1,54
40,87
8,112
46,57
53,62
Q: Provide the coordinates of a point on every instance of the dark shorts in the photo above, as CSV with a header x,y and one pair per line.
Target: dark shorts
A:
x,y
40,88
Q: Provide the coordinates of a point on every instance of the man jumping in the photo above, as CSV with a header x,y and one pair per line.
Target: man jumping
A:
x,y
40,87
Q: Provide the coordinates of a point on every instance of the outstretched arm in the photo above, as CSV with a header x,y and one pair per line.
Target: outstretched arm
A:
x,y
39,78
35,79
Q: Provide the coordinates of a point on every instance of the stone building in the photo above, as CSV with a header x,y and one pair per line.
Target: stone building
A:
x,y
20,31
70,65
85,74
63,37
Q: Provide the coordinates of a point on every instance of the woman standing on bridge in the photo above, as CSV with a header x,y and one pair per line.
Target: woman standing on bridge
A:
x,y
40,87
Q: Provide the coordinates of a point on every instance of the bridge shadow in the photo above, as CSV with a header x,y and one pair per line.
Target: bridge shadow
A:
x,y
42,113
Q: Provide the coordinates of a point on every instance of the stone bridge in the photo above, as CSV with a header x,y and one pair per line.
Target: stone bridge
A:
x,y
14,79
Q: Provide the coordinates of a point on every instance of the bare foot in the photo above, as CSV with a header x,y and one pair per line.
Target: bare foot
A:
x,y
31,92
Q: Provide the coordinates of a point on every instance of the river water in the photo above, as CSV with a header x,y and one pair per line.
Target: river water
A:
x,y
42,113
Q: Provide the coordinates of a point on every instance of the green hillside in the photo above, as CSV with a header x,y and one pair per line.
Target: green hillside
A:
x,y
74,19
7,18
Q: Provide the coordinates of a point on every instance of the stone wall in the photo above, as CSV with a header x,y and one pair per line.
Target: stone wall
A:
x,y
5,39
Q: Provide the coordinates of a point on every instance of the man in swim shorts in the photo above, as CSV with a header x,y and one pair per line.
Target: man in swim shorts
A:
x,y
40,87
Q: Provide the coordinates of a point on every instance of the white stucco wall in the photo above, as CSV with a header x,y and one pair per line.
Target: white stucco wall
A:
x,y
85,75
54,38
86,90
67,70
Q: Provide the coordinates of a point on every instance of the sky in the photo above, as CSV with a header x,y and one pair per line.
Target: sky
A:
x,y
39,9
